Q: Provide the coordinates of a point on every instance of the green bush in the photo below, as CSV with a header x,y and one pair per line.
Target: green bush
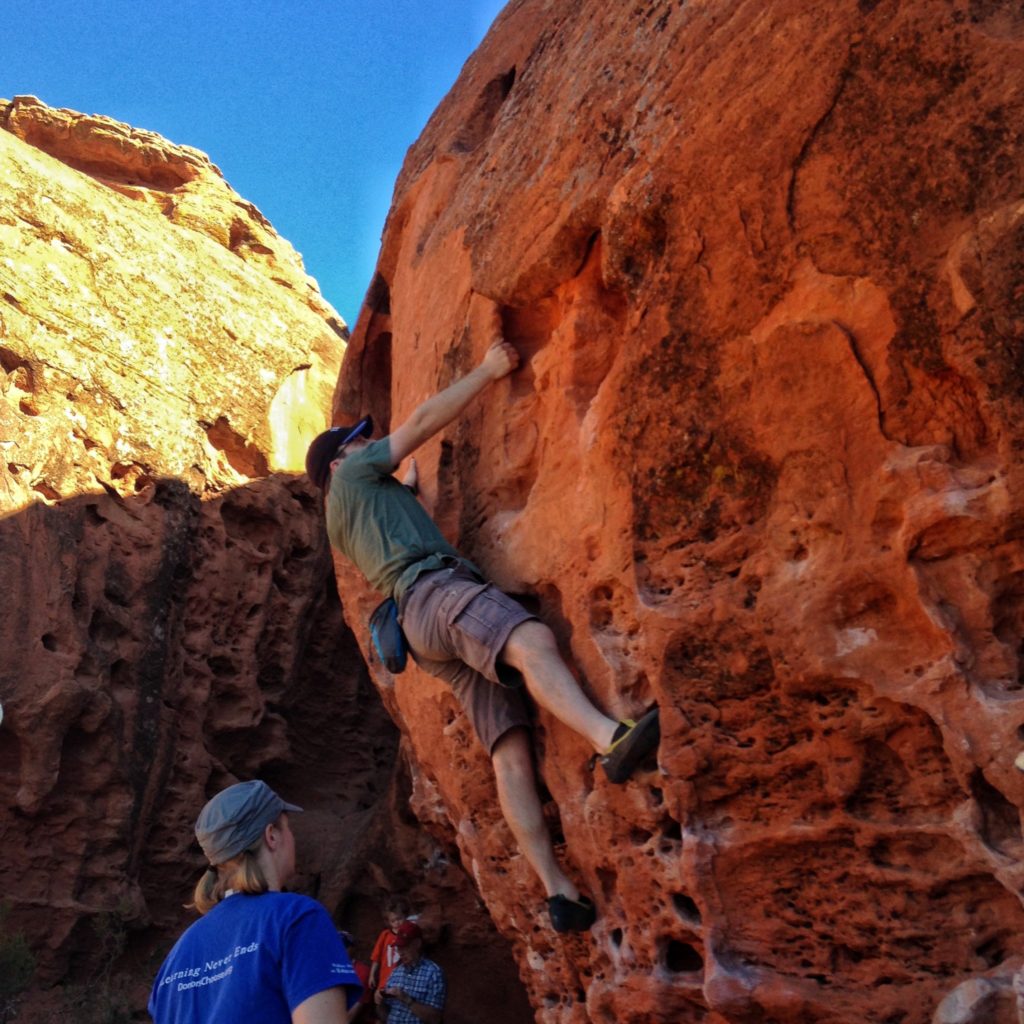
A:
x,y
85,1004
101,1001
17,965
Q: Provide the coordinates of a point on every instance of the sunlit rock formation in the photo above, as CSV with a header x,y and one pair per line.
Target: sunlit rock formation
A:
x,y
762,466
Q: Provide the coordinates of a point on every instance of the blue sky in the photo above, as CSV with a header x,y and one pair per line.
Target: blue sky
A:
x,y
307,106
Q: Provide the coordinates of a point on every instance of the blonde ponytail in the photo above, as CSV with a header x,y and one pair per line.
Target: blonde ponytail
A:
x,y
240,874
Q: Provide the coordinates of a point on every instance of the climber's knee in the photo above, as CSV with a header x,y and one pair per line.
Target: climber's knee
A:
x,y
511,754
528,642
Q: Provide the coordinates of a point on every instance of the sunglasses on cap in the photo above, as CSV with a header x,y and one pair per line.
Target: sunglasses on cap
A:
x,y
364,428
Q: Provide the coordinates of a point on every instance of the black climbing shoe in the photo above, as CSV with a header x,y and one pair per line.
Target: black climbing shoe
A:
x,y
571,915
634,742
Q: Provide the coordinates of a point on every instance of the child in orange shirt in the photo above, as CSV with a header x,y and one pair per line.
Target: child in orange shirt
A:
x,y
384,958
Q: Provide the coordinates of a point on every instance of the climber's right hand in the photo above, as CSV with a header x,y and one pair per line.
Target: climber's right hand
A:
x,y
500,359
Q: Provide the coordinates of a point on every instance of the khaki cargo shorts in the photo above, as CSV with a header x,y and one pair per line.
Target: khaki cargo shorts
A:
x,y
457,625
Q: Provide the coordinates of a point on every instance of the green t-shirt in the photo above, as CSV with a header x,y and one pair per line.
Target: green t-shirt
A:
x,y
377,523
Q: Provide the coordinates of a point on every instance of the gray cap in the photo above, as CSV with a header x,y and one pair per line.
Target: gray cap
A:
x,y
236,817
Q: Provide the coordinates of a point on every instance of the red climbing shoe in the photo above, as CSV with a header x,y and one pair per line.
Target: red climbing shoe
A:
x,y
635,740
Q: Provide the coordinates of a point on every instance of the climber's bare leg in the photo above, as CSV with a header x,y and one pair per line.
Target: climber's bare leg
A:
x,y
531,648
517,793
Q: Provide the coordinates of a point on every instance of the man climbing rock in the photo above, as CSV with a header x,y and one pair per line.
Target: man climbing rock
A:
x,y
461,628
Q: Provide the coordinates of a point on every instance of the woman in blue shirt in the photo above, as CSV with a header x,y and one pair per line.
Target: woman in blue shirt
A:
x,y
258,955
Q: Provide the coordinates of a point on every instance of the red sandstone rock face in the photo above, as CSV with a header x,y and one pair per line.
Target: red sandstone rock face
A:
x,y
170,622
761,466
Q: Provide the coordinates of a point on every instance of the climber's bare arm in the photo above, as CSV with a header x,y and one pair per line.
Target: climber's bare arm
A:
x,y
412,477
437,412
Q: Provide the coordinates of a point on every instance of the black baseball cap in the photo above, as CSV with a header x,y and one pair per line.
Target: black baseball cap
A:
x,y
325,446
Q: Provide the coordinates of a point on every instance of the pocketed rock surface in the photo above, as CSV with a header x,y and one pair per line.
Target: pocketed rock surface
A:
x,y
170,623
761,466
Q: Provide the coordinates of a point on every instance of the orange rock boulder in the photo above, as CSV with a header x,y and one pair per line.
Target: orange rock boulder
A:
x,y
761,466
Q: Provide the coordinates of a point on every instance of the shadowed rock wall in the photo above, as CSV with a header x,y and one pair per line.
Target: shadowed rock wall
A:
x,y
762,466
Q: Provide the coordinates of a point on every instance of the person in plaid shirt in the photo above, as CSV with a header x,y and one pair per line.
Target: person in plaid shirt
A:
x,y
416,991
